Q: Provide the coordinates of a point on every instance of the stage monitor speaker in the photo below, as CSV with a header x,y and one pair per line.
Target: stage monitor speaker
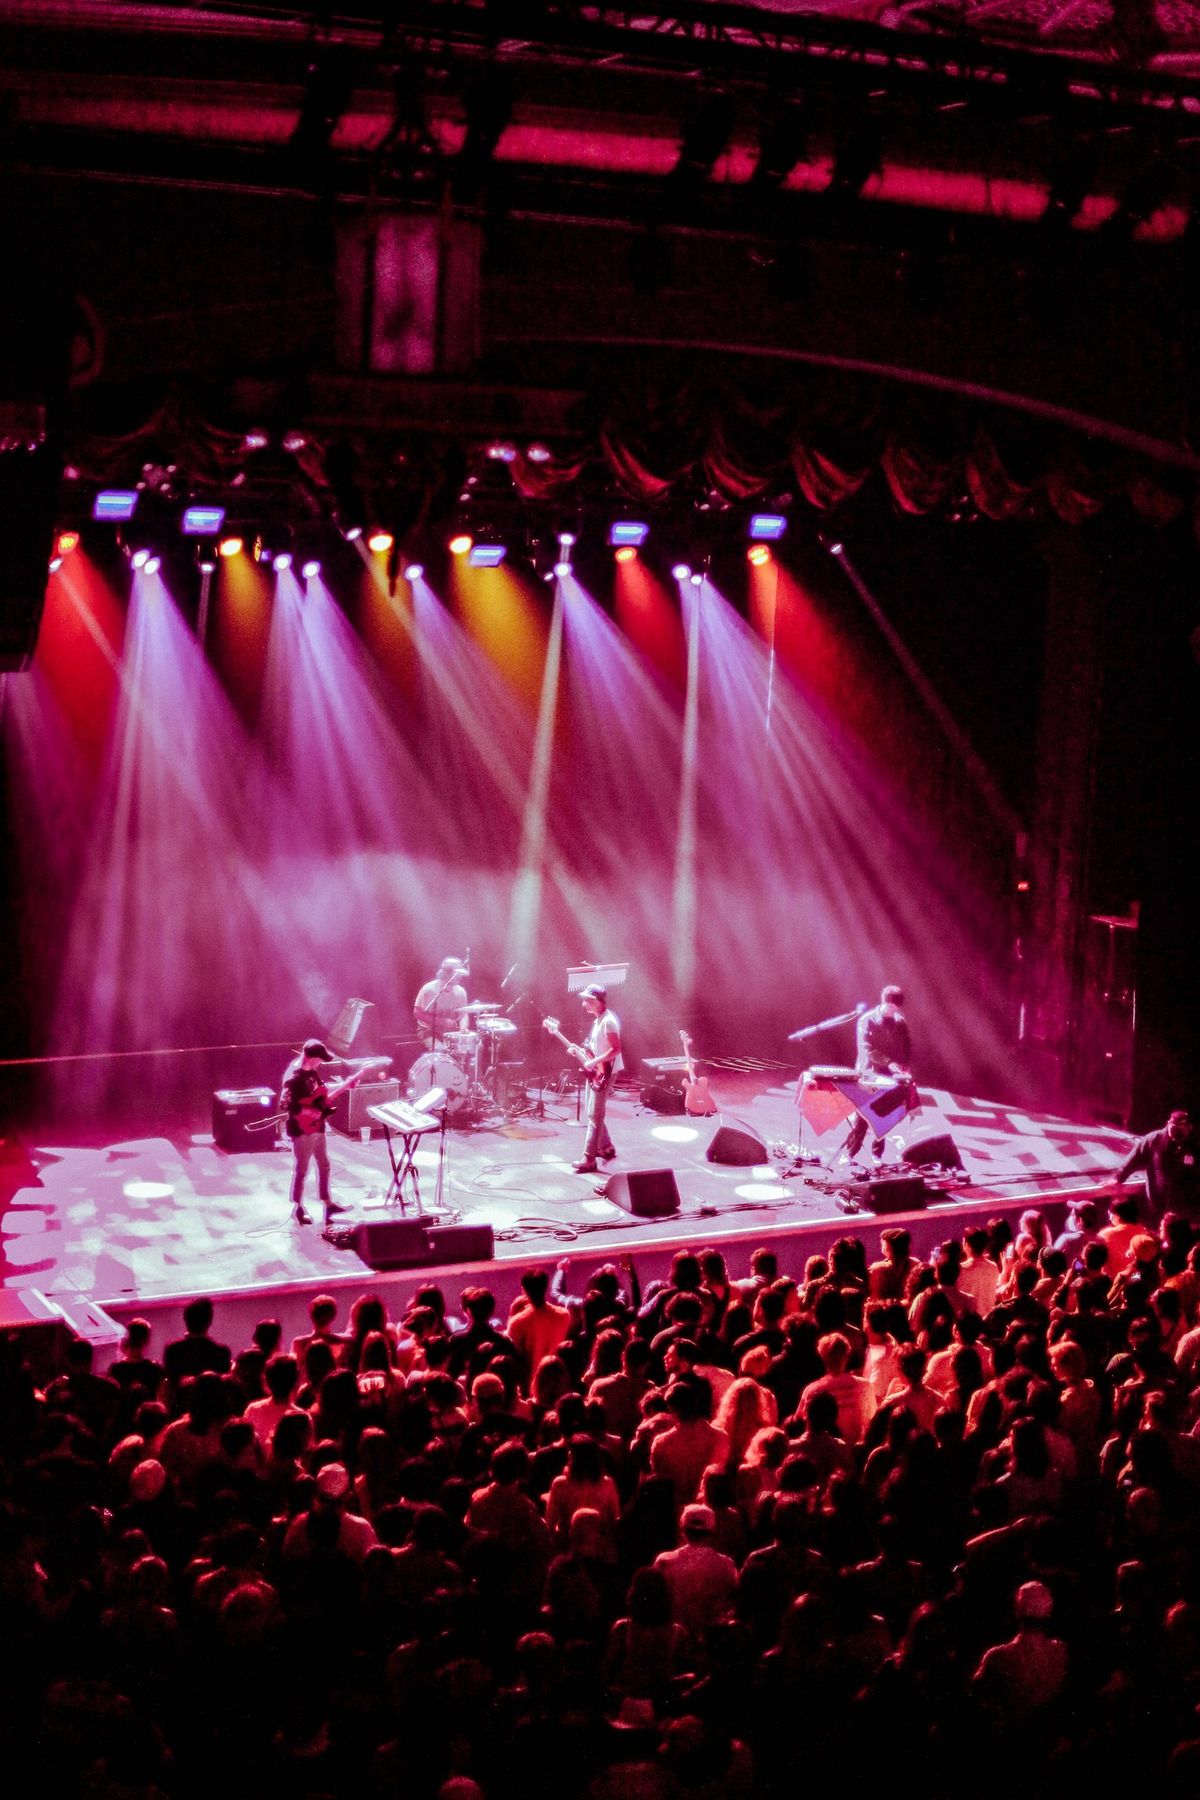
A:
x,y
738,1146
649,1193
350,1114
392,1243
234,1110
356,1030
461,1243
896,1194
929,1152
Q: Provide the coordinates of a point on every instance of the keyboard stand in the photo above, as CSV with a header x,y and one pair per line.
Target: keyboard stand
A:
x,y
404,1169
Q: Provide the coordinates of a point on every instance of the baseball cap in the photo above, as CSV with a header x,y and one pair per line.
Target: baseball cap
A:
x,y
314,1047
594,992
697,1518
333,1481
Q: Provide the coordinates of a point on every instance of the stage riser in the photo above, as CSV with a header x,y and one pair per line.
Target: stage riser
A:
x,y
238,1313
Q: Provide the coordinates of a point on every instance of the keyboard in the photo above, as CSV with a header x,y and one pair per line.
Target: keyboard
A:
x,y
399,1115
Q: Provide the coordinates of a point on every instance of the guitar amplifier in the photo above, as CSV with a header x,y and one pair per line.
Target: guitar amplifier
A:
x,y
661,1082
351,1115
234,1110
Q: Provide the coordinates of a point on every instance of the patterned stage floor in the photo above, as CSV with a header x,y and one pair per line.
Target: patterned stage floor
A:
x,y
153,1217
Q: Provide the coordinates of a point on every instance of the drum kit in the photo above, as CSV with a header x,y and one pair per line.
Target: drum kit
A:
x,y
469,1064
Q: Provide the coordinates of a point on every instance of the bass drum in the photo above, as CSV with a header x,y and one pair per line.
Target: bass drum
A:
x,y
437,1070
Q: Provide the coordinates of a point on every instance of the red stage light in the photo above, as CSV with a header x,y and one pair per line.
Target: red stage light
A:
x,y
66,542
626,553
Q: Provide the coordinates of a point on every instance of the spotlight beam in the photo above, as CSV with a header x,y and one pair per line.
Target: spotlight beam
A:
x,y
953,732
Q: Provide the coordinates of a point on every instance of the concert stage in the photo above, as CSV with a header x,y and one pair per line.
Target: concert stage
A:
x,y
141,1223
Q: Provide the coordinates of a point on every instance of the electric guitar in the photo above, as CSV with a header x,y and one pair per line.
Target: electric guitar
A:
x,y
598,1077
697,1099
309,1114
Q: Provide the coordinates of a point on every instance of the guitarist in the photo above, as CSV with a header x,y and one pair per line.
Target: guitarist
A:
x,y
305,1098
603,1052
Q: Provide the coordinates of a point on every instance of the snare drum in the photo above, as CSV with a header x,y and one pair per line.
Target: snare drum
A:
x,y
437,1070
463,1046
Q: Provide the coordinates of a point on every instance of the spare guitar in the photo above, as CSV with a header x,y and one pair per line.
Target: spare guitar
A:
x,y
309,1115
597,1078
697,1099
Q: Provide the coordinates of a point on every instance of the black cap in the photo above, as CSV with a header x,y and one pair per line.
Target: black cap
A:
x,y
315,1048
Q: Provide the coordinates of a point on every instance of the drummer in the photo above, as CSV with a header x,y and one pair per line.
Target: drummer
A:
x,y
441,1004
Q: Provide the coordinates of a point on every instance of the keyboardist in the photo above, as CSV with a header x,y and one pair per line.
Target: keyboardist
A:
x,y
884,1048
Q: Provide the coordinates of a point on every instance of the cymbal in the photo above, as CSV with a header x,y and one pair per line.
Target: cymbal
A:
x,y
483,1006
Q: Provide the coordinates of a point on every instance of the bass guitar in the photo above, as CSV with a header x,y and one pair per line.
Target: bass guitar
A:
x,y
309,1114
598,1077
697,1099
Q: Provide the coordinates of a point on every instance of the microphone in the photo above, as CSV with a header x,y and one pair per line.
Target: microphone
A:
x,y
508,977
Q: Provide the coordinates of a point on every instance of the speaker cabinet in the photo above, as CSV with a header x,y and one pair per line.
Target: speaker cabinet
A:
x,y
648,1193
731,1144
661,1080
356,1031
941,1152
461,1243
350,1115
235,1109
392,1243
897,1194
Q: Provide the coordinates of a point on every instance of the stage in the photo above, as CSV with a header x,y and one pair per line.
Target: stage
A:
x,y
149,1219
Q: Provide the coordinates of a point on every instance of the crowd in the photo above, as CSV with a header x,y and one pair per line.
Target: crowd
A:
x,y
870,1519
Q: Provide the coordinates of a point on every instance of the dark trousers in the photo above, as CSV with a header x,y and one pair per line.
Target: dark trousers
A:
x,y
858,1132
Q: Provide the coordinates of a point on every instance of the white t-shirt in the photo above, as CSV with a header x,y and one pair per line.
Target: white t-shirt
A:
x,y
448,1003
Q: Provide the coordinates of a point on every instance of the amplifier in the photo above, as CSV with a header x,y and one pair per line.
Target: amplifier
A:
x,y
356,1030
661,1082
350,1113
233,1109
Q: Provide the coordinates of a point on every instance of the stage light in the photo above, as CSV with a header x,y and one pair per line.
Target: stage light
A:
x,y
56,563
836,549
459,545
566,539
561,569
626,553
486,556
681,571
538,453
255,440
65,543
502,452
414,571
153,565
311,569
114,503
758,554
293,441
230,546
628,531
767,525
202,521
140,558
282,561
207,565
695,578
352,533
380,542
261,553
